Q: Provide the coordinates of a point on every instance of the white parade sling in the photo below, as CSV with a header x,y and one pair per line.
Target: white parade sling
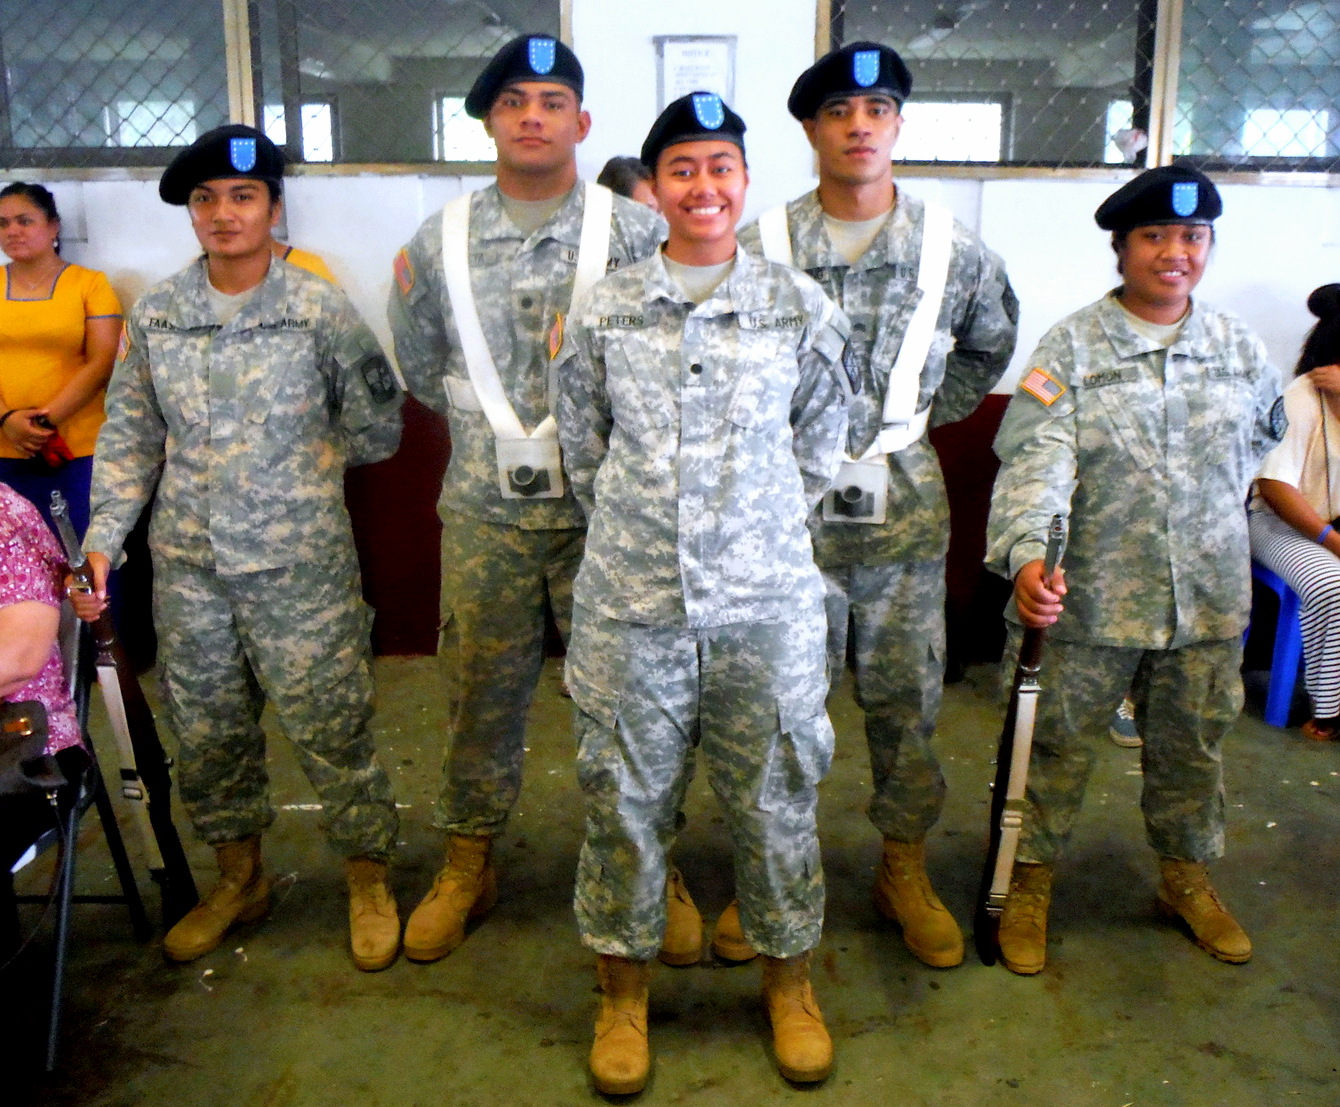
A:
x,y
530,465
859,493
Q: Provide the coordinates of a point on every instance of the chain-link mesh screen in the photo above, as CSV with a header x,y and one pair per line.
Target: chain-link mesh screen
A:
x,y
1048,83
105,82
1034,83
1020,82
1259,84
382,80
127,82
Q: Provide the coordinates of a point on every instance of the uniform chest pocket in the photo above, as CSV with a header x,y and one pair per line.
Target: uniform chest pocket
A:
x,y
767,375
639,380
276,375
178,364
1114,408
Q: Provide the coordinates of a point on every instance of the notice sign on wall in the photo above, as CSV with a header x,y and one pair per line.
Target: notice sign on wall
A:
x,y
694,63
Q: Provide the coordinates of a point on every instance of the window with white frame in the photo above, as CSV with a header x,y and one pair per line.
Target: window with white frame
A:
x,y
951,130
318,129
151,123
456,136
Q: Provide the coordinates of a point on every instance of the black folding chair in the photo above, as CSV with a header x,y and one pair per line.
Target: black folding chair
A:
x,y
73,802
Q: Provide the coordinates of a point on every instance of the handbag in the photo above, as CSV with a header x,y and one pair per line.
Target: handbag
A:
x,y
25,766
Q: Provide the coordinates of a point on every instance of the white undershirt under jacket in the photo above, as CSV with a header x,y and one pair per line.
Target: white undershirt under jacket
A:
x,y
853,239
225,305
698,281
530,215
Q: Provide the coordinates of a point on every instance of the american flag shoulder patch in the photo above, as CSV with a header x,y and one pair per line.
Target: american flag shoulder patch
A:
x,y
1042,387
404,272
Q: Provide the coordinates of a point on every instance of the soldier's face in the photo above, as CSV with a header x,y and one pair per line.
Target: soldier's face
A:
x,y
853,137
536,126
701,188
1161,263
233,217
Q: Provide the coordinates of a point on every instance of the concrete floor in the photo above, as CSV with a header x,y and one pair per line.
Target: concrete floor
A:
x,y
1127,1014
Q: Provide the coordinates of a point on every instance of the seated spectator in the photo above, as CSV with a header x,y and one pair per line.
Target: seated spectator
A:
x,y
31,568
1298,499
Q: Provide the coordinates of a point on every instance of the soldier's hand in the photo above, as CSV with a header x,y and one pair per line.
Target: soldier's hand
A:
x,y
1039,600
1326,378
89,605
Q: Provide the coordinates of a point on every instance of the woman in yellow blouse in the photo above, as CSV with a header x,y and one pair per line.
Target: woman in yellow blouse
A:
x,y
59,326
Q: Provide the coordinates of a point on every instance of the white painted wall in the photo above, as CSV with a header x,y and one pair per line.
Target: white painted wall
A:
x,y
774,43
1275,243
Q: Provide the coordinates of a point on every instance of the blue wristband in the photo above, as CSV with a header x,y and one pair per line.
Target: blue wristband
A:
x,y
1327,529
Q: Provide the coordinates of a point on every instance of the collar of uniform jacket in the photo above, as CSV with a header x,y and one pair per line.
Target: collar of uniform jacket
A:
x,y
740,293
489,221
1127,342
894,244
191,308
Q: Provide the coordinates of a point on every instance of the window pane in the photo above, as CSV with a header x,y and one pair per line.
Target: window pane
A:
x,y
950,131
317,130
457,137
1259,80
1051,69
388,67
151,123
86,82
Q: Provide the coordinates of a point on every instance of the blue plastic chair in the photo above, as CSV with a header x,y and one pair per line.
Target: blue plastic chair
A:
x,y
1287,658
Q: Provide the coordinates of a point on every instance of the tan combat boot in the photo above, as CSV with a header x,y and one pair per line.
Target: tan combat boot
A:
x,y
620,1058
799,1038
729,942
1023,922
241,895
374,923
682,943
466,888
903,894
1185,892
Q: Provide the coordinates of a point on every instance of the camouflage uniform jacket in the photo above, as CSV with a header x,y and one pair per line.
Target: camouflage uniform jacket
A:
x,y
1150,469
245,430
522,285
698,439
974,340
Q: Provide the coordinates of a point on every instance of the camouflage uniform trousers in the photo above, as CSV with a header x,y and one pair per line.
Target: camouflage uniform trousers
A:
x,y
495,579
894,617
752,694
1185,701
297,637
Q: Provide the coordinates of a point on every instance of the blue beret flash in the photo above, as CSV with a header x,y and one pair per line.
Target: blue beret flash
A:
x,y
541,52
242,154
865,67
709,110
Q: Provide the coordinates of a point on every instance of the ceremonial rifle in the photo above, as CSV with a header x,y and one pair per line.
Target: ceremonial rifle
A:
x,y
145,780
1007,791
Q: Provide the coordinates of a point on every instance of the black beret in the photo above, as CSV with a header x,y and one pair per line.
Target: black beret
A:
x,y
858,69
235,150
528,58
696,117
1168,194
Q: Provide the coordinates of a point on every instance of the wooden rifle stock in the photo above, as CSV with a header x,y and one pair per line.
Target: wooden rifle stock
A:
x,y
1012,756
145,778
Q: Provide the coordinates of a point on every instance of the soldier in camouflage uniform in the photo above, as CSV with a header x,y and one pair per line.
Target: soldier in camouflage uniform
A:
x,y
702,407
1142,418
244,389
863,240
503,553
